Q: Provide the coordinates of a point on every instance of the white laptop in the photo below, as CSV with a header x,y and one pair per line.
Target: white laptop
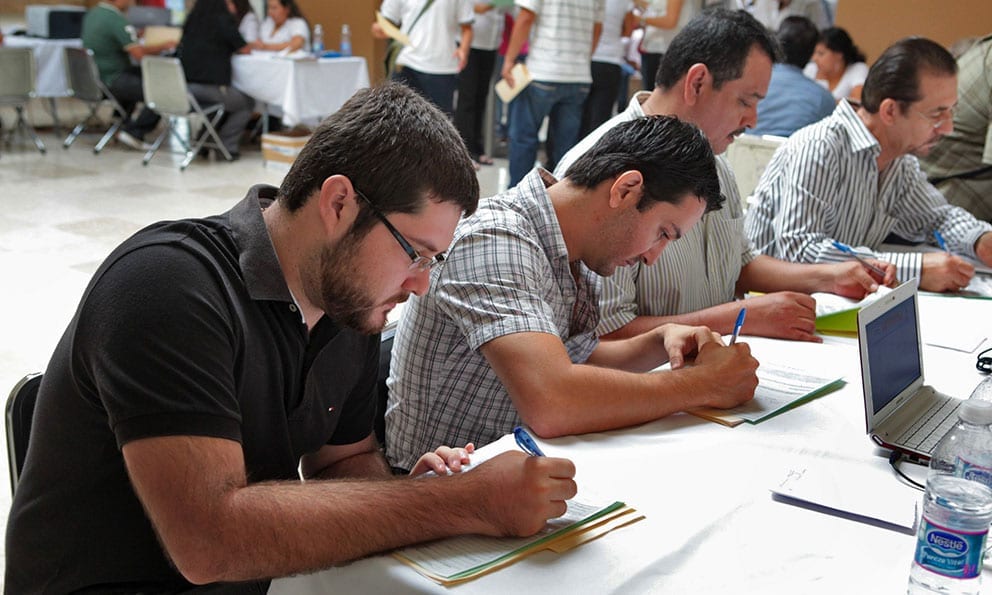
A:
x,y
901,413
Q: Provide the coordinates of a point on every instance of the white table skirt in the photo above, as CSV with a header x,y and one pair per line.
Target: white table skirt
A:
x,y
305,90
711,525
49,57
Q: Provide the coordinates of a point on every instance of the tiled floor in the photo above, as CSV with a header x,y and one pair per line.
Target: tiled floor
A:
x,y
63,212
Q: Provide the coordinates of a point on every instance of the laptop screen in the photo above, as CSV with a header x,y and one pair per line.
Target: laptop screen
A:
x,y
893,350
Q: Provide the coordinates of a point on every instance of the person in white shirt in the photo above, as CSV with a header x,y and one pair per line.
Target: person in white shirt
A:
x,y
607,73
248,24
440,38
661,20
854,177
284,28
475,81
838,64
714,74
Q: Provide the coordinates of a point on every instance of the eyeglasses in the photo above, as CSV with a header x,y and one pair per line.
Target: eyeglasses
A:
x,y
938,121
418,262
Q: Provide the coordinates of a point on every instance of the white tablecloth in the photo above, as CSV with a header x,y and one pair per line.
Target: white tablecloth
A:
x,y
305,90
711,524
50,61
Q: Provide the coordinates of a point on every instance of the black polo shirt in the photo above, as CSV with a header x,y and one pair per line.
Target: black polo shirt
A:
x,y
188,328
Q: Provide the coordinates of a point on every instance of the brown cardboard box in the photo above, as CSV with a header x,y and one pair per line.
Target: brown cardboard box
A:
x,y
279,149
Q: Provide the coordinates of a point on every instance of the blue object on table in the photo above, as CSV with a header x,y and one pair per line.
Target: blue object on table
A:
x,y
526,443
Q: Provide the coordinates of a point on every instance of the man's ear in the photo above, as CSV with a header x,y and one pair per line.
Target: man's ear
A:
x,y
888,110
337,206
697,76
627,189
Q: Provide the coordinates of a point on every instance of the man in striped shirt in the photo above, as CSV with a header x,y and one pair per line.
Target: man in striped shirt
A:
x,y
713,75
854,177
565,32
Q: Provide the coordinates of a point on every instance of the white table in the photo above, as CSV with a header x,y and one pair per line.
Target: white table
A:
x,y
49,57
305,90
711,524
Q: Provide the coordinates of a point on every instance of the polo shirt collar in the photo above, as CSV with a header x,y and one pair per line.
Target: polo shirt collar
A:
x,y
861,138
260,267
110,6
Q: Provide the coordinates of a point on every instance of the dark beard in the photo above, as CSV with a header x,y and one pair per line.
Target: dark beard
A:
x,y
334,284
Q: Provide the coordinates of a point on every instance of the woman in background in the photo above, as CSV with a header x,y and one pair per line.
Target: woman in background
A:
x,y
284,28
210,37
247,20
839,64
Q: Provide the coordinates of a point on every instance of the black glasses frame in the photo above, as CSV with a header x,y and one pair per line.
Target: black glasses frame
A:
x,y
418,262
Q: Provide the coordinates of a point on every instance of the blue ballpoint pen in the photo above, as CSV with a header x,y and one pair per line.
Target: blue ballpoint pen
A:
x,y
526,443
850,251
940,240
738,325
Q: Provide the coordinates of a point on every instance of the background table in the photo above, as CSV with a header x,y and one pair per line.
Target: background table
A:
x,y
49,57
305,90
711,525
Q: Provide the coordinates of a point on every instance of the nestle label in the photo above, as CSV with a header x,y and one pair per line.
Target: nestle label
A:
x,y
948,552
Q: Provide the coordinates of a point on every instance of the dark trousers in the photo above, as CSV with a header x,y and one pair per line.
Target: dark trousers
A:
x,y
237,111
474,84
602,96
649,69
439,89
127,89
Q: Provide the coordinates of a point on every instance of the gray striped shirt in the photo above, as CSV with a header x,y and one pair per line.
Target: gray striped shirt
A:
x,y
561,39
823,185
698,271
507,272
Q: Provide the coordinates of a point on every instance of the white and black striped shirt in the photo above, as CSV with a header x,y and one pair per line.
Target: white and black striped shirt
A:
x,y
823,185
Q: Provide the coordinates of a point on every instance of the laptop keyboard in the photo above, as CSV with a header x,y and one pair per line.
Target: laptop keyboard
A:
x,y
931,426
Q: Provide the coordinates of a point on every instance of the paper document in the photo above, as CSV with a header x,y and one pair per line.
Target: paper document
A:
x,y
521,78
459,559
390,29
780,388
836,313
159,34
860,490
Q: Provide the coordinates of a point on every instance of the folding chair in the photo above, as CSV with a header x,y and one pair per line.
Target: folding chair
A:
x,y
164,85
85,85
20,408
17,74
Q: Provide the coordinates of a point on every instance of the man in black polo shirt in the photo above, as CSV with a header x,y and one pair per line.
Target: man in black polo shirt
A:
x,y
211,358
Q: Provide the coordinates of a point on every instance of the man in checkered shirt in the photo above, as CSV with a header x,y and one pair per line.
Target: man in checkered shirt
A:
x,y
506,334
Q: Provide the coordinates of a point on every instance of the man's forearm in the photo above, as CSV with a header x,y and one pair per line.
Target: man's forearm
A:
x,y
278,529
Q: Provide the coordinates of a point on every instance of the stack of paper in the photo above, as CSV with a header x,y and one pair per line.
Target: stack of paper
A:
x,y
835,313
780,388
459,559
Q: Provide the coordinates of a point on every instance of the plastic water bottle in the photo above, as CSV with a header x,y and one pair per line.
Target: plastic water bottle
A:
x,y
983,392
318,40
950,542
966,450
957,507
345,40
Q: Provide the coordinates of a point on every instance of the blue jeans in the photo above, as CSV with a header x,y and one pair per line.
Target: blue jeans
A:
x,y
439,89
563,103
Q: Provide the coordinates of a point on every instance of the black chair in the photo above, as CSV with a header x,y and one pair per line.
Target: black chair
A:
x,y
20,408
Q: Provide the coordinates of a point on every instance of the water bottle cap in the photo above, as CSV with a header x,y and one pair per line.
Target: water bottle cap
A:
x,y
976,412
345,28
